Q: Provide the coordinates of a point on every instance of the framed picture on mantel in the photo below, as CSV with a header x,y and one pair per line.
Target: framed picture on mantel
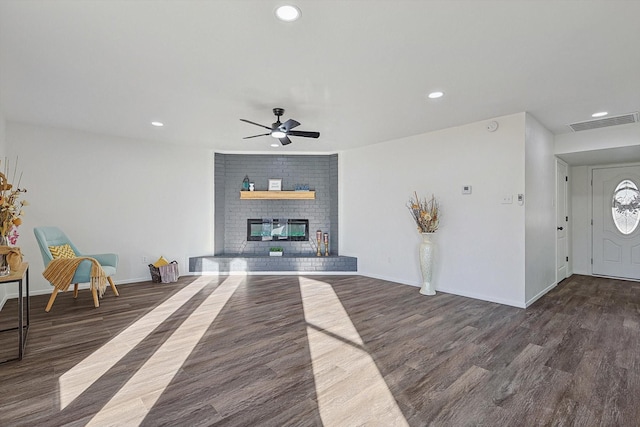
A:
x,y
275,184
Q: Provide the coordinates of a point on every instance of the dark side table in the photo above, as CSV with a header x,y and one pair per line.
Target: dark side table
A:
x,y
17,276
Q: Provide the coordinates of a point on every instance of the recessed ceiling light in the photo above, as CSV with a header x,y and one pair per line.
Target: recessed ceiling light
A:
x,y
275,145
157,124
435,95
600,114
288,13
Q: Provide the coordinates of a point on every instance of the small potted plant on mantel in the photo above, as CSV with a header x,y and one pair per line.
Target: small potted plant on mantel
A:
x,y
276,251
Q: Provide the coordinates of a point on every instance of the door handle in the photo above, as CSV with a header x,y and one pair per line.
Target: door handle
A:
x,y
560,228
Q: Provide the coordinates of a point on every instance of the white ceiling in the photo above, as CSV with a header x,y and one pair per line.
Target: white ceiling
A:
x,y
356,71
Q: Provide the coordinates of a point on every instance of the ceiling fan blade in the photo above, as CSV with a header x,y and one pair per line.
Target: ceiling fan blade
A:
x,y
255,136
288,125
285,141
304,134
254,123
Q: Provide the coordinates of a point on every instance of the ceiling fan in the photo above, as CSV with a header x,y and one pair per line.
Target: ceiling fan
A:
x,y
282,131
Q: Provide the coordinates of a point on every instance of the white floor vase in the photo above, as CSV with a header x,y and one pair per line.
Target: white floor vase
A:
x,y
427,247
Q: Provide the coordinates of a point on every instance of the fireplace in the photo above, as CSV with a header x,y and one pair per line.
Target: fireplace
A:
x,y
282,230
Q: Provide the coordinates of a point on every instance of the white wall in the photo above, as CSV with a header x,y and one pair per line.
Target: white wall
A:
x,y
3,141
598,139
109,194
481,247
540,212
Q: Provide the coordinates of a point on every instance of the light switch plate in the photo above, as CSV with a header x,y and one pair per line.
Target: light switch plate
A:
x,y
508,199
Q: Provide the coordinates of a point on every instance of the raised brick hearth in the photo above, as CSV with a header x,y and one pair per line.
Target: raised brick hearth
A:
x,y
301,263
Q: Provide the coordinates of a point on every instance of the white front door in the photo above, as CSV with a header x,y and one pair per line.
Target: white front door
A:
x,y
616,214
562,222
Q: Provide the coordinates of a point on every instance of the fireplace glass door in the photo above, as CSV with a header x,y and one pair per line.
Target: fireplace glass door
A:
x,y
267,229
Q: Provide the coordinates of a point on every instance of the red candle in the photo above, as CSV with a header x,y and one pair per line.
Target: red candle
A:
x,y
319,235
326,238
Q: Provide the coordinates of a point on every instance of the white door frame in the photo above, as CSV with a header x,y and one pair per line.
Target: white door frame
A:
x,y
590,199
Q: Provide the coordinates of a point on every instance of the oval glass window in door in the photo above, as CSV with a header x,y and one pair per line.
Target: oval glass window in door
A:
x,y
625,206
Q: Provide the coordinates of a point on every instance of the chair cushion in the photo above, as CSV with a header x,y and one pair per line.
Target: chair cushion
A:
x,y
83,272
62,251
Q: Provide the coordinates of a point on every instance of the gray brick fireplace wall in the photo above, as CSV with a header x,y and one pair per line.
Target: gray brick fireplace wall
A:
x,y
320,172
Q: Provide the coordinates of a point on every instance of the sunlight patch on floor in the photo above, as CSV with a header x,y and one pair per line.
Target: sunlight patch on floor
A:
x,y
79,378
131,404
349,386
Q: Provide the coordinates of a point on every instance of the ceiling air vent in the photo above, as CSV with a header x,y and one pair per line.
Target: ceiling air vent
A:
x,y
606,122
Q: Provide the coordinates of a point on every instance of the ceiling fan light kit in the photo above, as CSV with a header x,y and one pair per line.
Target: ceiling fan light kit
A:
x,y
282,131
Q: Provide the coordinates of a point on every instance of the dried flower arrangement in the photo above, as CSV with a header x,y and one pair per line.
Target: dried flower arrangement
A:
x,y
425,212
10,207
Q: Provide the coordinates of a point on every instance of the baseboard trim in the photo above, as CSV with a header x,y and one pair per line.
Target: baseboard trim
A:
x,y
452,291
85,286
312,273
390,279
482,297
81,286
541,294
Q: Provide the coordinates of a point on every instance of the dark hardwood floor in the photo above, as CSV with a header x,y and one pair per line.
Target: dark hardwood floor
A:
x,y
324,350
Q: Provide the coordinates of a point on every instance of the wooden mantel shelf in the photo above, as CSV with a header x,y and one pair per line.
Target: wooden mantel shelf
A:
x,y
277,195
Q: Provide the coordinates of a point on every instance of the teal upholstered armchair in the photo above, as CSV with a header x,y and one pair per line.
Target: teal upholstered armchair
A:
x,y
53,236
